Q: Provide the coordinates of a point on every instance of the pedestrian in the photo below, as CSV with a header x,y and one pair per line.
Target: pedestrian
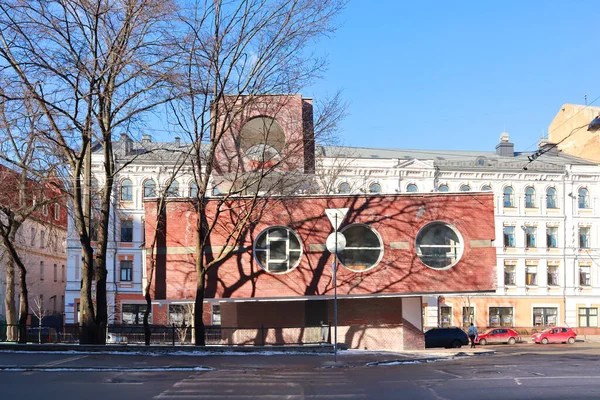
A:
x,y
472,332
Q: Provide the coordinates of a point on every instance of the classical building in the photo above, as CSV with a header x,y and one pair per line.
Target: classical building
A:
x,y
568,130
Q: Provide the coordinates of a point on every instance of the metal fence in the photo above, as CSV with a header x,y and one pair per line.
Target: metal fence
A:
x,y
177,335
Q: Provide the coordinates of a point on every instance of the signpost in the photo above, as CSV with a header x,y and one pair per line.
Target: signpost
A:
x,y
336,243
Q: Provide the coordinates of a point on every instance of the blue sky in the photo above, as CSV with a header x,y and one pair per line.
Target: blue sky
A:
x,y
454,75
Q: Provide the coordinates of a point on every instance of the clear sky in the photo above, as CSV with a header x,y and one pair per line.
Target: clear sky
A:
x,y
454,75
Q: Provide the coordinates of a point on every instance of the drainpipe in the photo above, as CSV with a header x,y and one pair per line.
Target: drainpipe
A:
x,y
565,247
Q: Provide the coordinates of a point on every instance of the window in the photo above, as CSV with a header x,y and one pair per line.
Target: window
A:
x,y
551,198
552,275
531,275
364,248
32,243
216,315
509,236
584,237
41,270
439,245
545,316
585,275
126,190
57,212
55,273
149,188
486,188
501,316
375,188
530,232
42,239
126,230
53,301
530,197
134,314
509,274
468,316
588,317
173,190
446,316
62,273
126,270
277,249
509,197
443,188
465,188
584,198
412,188
193,189
551,237
45,209
344,188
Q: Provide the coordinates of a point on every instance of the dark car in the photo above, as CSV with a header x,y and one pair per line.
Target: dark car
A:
x,y
446,337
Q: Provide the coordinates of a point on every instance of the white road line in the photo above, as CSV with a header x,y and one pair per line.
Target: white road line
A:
x,y
517,381
64,360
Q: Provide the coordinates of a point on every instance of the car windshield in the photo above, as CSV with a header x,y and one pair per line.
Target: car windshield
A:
x,y
547,330
488,331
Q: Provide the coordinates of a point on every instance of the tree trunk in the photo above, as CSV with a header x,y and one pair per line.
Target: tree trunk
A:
x,y
87,323
23,305
199,329
9,302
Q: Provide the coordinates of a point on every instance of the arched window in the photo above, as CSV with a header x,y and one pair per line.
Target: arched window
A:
x,y
412,188
277,249
509,197
344,188
530,197
375,188
486,188
551,198
193,189
126,190
443,188
465,188
584,198
149,188
173,190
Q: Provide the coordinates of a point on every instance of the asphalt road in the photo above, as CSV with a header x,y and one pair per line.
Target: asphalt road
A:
x,y
515,372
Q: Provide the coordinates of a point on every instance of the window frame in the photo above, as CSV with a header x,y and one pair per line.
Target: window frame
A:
x,y
530,237
149,184
583,199
412,188
551,238
508,197
375,185
508,237
344,185
501,313
530,197
584,234
443,188
551,198
456,251
124,229
545,314
587,315
349,247
585,276
126,190
269,241
128,269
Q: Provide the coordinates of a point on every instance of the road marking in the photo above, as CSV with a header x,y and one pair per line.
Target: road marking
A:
x,y
517,381
64,360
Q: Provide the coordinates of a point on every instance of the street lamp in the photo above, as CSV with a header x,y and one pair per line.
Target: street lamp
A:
x,y
336,243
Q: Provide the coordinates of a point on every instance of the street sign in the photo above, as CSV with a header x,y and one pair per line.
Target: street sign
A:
x,y
336,216
336,242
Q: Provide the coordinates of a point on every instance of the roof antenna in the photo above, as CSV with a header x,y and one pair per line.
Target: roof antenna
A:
x,y
585,99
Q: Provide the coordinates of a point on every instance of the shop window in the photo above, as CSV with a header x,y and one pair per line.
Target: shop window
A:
x,y
509,275
545,316
277,249
126,267
530,197
439,245
509,236
552,275
588,317
584,198
531,275
584,237
149,188
585,275
445,316
551,198
501,316
126,230
344,188
552,237
412,188
126,190
364,248
443,188
180,314
530,234
133,314
468,316
509,197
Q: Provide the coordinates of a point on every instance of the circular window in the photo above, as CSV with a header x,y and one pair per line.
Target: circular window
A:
x,y
364,248
439,245
277,250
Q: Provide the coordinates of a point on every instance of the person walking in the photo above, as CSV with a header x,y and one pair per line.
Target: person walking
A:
x,y
472,332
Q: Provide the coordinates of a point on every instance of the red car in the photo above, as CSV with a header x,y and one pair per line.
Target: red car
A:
x,y
555,335
498,335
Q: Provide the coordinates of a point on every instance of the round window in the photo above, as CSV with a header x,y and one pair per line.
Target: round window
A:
x,y
277,250
439,245
364,248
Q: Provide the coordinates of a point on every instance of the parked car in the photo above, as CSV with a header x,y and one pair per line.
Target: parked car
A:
x,y
555,335
111,338
48,335
446,337
498,335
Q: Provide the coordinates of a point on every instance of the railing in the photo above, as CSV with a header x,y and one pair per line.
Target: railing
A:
x,y
177,335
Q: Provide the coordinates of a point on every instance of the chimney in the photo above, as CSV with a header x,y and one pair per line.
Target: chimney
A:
x,y
545,147
177,141
505,148
146,139
126,144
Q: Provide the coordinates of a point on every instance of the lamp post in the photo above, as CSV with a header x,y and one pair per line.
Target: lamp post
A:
x,y
336,243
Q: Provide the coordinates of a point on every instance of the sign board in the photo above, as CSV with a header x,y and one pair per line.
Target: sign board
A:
x,y
336,216
336,241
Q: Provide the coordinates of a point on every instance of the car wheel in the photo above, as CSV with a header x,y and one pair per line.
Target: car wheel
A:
x,y
571,340
482,342
456,344
545,341
511,341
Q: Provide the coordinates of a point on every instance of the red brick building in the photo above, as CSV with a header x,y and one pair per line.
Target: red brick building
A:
x,y
399,248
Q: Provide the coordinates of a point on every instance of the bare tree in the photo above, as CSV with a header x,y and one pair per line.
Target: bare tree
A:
x,y
94,69
38,309
240,57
